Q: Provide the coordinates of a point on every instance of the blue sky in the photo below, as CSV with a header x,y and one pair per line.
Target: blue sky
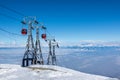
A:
x,y
67,20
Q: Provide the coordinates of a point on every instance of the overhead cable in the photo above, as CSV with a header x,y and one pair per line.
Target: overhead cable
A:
x,y
9,32
7,16
19,13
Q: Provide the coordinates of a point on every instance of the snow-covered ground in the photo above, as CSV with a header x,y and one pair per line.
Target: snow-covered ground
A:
x,y
44,72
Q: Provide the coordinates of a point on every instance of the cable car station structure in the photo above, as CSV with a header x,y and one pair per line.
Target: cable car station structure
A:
x,y
33,52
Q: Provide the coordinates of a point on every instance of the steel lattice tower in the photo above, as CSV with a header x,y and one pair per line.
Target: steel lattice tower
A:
x,y
51,60
29,55
54,61
38,50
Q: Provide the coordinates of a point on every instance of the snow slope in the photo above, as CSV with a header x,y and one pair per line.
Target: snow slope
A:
x,y
44,72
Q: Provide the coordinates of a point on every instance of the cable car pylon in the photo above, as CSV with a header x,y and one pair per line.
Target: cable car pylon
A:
x,y
38,51
33,52
54,44
51,60
29,55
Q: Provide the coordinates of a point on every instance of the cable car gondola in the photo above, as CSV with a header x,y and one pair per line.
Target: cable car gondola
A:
x,y
43,36
24,31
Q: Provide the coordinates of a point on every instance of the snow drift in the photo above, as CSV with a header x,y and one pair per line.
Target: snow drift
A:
x,y
44,72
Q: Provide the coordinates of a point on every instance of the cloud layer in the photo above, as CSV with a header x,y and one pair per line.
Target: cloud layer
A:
x,y
85,43
90,43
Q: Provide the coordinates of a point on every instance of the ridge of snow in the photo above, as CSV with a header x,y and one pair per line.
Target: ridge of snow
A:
x,y
44,72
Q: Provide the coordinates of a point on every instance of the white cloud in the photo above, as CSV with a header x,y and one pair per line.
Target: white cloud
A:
x,y
89,43
11,44
83,43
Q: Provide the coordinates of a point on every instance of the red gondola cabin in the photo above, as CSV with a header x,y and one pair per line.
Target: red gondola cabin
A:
x,y
43,36
24,31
